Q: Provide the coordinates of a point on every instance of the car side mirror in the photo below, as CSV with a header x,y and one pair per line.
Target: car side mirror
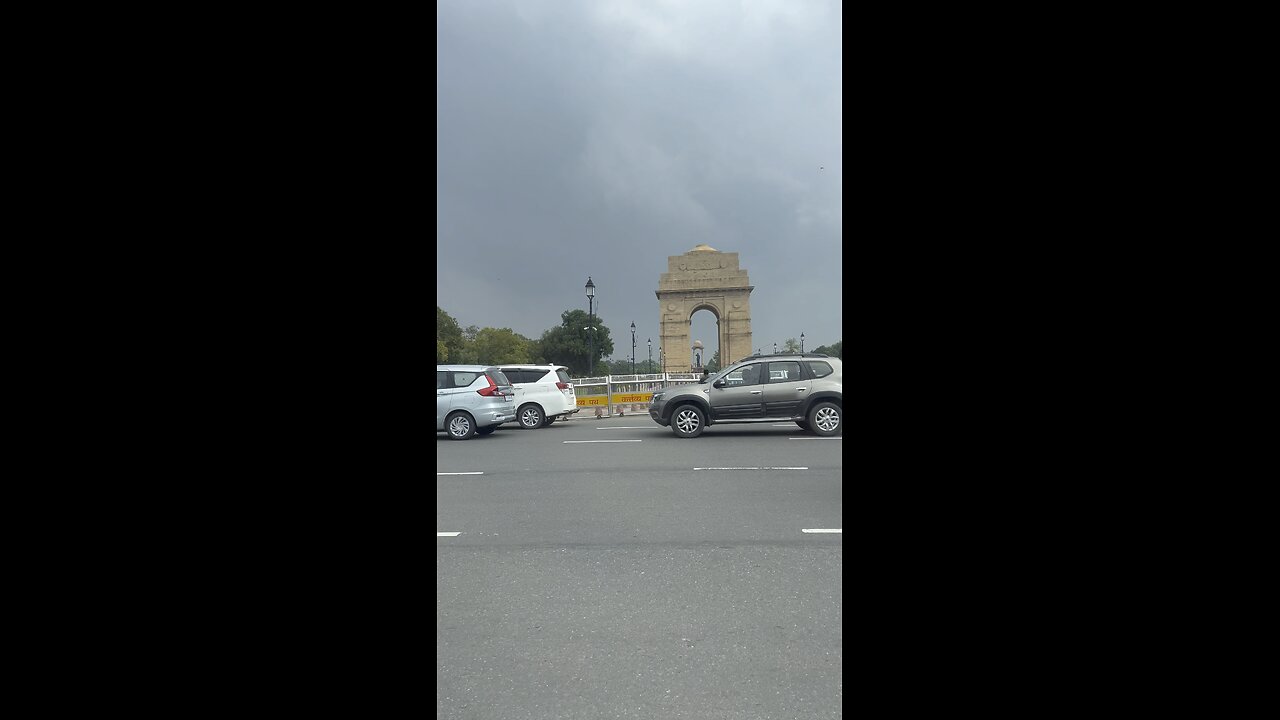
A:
x,y
718,383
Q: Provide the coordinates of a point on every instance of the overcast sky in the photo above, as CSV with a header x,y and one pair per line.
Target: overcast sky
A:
x,y
593,137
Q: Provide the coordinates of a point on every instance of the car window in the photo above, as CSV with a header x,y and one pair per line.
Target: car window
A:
x,y
463,378
498,377
819,368
533,375
442,379
564,376
780,372
514,375
745,375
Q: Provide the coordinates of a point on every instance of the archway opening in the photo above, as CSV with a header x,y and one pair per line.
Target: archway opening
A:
x,y
704,326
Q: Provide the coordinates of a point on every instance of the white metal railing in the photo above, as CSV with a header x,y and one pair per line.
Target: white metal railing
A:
x,y
625,393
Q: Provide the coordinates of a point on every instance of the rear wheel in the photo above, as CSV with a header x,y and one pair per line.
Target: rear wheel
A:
x,y
460,426
826,419
531,417
688,421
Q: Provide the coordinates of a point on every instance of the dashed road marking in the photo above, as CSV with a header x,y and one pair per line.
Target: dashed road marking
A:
x,y
752,468
570,442
454,534
823,530
465,473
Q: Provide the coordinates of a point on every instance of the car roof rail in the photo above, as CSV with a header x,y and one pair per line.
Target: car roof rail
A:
x,y
784,354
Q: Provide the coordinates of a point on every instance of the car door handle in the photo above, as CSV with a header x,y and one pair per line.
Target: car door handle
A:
x,y
801,389
755,392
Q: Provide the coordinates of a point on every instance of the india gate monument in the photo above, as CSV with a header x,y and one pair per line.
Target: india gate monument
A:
x,y
704,279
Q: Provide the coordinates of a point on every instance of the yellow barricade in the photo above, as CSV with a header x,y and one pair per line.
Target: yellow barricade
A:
x,y
622,398
618,399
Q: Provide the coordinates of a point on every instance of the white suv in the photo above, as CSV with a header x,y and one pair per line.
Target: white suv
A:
x,y
543,394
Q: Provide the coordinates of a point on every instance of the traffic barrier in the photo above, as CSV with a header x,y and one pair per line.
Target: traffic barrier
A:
x,y
625,393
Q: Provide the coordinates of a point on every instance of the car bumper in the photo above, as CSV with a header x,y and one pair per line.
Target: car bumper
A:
x,y
656,414
495,417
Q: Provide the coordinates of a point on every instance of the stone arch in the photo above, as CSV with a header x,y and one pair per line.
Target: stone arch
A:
x,y
703,279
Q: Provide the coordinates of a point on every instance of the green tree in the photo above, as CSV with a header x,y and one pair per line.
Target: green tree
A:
x,y
499,346
566,344
447,332
713,365
791,345
442,352
835,349
623,367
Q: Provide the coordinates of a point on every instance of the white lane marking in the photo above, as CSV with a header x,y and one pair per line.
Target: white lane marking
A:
x,y
823,530
839,438
567,442
465,473
752,468
440,534
632,427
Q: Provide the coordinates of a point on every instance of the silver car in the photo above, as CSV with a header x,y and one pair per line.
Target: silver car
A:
x,y
804,388
472,400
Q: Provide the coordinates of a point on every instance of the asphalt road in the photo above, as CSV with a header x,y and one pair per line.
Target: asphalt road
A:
x,y
644,577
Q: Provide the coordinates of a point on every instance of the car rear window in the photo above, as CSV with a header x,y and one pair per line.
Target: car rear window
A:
x,y
819,368
564,376
498,377
462,379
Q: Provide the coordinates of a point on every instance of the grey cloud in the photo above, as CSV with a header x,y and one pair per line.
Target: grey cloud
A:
x,y
591,138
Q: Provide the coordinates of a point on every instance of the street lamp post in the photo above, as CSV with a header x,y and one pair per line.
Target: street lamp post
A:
x,y
649,366
591,294
802,342
633,348
775,348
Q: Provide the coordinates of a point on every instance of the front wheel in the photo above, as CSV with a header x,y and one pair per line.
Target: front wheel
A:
x,y
460,426
825,419
688,421
531,417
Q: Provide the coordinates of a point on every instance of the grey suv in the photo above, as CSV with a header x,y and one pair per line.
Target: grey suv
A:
x,y
804,388
472,400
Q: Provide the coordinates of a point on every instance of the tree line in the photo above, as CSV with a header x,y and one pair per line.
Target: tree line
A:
x,y
564,344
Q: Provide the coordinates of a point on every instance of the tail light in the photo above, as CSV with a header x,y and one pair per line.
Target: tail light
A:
x,y
493,389
562,385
